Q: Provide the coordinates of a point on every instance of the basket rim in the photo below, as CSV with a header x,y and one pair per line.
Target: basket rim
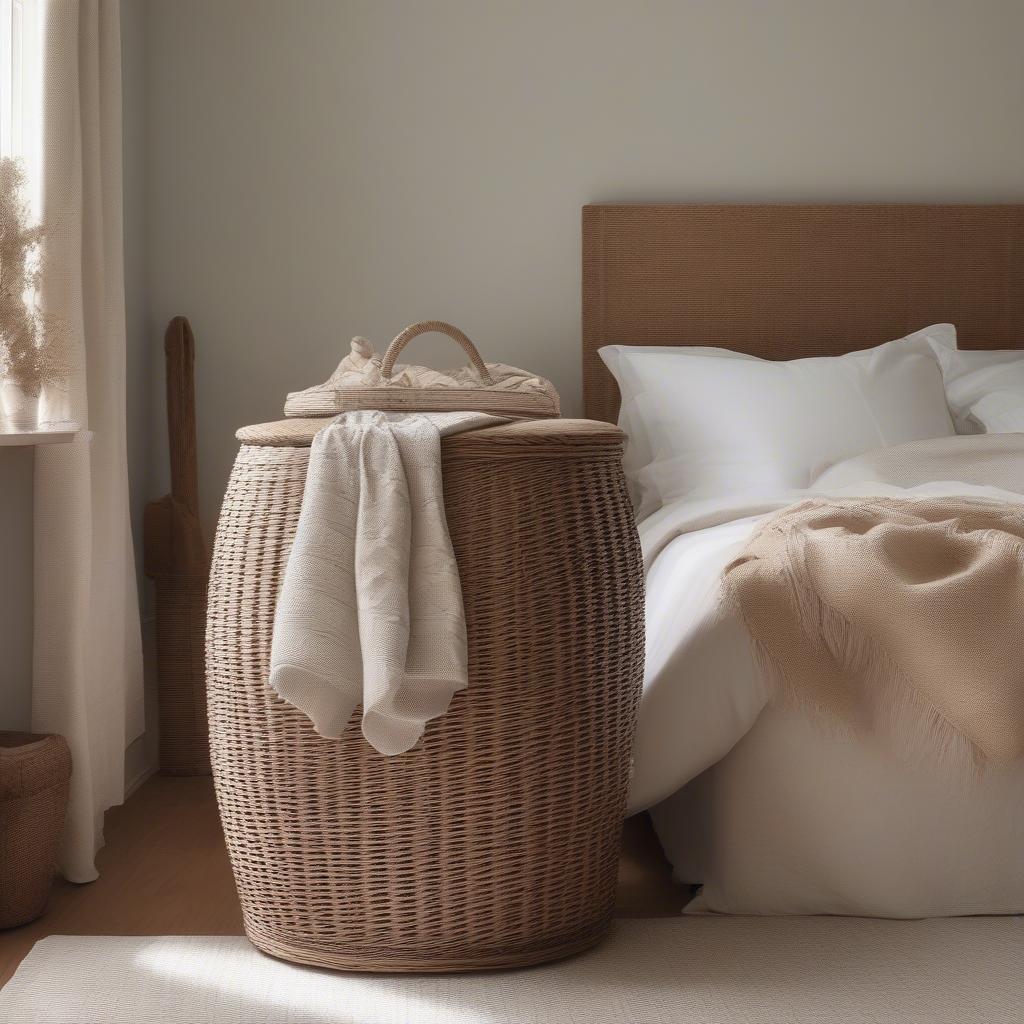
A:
x,y
298,432
25,743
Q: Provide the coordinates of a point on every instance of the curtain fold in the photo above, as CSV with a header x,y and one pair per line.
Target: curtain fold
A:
x,y
87,677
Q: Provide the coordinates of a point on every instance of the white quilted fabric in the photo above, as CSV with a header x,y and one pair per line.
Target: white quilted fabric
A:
x,y
361,369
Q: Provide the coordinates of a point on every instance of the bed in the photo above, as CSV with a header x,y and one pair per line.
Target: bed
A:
x,y
751,798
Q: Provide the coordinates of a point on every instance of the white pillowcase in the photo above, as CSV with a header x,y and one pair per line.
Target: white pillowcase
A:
x,y
985,390
707,422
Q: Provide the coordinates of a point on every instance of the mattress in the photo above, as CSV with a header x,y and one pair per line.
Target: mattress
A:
x,y
796,821
770,812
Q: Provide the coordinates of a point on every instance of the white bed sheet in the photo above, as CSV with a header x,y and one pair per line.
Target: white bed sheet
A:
x,y
798,821
785,818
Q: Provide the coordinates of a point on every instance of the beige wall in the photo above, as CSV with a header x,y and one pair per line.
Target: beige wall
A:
x,y
302,171
142,336
325,168
15,587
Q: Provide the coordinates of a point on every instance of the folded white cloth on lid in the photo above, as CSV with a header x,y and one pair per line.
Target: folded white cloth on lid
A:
x,y
370,610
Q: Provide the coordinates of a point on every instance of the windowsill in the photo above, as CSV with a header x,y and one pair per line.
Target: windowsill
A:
x,y
55,433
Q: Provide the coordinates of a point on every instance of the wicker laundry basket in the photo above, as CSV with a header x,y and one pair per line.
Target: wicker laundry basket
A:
x,y
493,843
35,774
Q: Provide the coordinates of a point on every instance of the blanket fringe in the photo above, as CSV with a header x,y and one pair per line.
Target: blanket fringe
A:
x,y
882,701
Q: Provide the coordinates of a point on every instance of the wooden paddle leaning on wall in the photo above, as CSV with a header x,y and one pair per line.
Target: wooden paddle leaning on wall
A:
x,y
177,560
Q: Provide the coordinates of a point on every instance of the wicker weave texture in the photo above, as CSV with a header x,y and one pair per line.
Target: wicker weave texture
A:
x,y
177,560
35,773
181,642
494,843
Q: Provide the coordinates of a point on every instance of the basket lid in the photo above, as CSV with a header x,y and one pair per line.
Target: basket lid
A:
x,y
555,436
366,380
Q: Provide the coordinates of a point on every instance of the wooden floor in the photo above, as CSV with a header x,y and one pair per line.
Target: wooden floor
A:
x,y
165,871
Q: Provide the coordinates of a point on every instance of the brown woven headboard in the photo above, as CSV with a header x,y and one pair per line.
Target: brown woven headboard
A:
x,y
788,281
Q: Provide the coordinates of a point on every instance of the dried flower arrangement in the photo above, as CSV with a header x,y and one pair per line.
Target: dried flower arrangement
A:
x,y
33,344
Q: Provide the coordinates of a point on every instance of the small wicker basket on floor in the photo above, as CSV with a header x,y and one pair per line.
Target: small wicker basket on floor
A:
x,y
494,843
35,773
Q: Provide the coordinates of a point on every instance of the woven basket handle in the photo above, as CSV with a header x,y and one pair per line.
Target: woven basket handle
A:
x,y
426,327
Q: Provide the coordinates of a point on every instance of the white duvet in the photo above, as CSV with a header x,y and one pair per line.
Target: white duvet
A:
x,y
756,803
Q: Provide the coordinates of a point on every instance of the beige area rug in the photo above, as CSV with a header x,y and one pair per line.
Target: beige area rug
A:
x,y
676,971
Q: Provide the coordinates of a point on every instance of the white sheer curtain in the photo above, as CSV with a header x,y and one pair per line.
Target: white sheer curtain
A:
x,y
87,678
21,84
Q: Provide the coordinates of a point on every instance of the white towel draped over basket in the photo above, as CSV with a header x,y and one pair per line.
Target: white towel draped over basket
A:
x,y
370,611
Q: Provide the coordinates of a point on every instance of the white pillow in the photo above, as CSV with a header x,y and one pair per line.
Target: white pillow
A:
x,y
707,422
985,390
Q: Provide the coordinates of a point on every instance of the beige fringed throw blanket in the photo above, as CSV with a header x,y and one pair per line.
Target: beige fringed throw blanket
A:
x,y
899,616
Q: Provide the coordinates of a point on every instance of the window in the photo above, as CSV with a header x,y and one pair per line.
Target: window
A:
x,y
21,89
29,363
